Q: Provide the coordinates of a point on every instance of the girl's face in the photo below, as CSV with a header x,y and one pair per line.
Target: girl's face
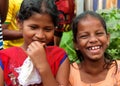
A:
x,y
92,39
39,27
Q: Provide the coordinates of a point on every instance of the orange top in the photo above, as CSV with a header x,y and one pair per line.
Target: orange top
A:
x,y
111,79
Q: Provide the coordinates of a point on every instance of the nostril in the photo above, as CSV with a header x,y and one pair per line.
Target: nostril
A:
x,y
40,36
93,39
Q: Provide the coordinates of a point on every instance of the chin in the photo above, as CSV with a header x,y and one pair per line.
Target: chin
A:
x,y
95,59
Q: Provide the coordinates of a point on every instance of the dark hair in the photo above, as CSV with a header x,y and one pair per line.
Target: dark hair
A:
x,y
84,15
109,60
29,7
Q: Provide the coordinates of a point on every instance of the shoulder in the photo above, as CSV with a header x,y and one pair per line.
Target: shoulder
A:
x,y
9,49
118,72
74,67
56,54
10,52
13,2
74,75
5,55
118,63
13,55
55,49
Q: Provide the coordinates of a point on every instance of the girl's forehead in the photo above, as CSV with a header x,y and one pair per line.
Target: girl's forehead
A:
x,y
90,23
40,17
89,20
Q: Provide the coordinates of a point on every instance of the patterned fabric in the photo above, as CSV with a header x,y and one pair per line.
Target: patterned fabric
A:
x,y
14,6
12,60
101,4
1,36
83,5
112,78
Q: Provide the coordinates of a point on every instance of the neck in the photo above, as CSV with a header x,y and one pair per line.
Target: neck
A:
x,y
94,67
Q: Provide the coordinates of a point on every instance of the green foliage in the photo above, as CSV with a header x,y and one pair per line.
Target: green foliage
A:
x,y
112,18
67,44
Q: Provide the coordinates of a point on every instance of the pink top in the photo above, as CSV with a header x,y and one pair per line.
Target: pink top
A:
x,y
111,79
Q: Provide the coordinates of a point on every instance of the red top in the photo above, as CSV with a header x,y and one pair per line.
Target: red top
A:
x,y
14,57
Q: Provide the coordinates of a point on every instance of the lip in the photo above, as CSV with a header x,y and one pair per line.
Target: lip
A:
x,y
94,49
40,41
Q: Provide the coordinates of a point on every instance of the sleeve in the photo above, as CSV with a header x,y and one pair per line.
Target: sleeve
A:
x,y
61,56
1,65
63,59
56,56
4,61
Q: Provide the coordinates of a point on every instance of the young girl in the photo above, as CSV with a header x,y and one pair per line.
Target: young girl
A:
x,y
91,39
35,63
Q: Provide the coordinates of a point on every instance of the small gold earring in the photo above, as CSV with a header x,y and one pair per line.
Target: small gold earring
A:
x,y
76,48
107,45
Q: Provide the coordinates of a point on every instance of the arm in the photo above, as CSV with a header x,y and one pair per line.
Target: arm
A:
x,y
10,34
61,77
38,57
63,73
1,77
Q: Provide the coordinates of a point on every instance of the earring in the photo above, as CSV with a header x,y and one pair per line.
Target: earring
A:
x,y
107,44
76,48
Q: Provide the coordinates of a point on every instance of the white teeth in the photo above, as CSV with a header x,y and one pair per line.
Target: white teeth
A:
x,y
94,48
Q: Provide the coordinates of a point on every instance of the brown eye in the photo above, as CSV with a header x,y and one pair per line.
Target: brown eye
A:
x,y
100,33
83,37
48,29
33,27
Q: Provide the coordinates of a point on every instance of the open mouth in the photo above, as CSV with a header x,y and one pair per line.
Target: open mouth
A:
x,y
94,49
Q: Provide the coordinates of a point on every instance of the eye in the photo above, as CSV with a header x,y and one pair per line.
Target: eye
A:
x,y
33,27
48,29
100,33
83,36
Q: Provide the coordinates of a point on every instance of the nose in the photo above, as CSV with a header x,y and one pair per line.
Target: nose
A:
x,y
93,39
40,34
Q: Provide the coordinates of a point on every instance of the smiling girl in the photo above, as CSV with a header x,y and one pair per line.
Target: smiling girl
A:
x,y
91,39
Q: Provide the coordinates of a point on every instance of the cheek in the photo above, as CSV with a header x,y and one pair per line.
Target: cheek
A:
x,y
50,36
106,43
104,40
27,35
81,43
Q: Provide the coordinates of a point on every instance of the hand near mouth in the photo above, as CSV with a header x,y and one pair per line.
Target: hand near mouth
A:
x,y
36,52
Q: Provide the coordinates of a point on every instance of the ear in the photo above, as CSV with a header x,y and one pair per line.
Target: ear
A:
x,y
108,38
19,24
